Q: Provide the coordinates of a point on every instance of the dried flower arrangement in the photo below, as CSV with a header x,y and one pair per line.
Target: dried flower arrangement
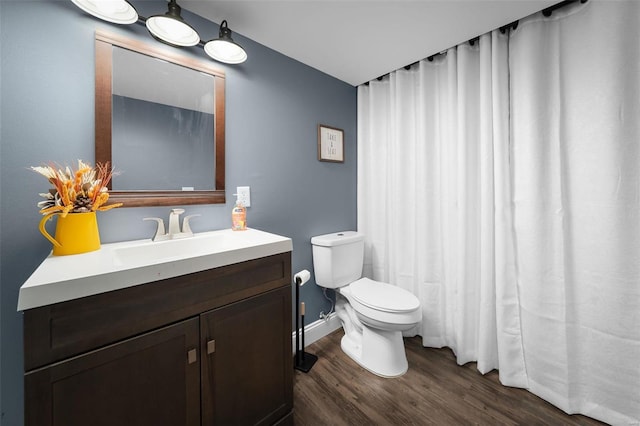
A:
x,y
81,191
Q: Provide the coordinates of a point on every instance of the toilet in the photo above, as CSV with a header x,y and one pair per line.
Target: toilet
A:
x,y
373,314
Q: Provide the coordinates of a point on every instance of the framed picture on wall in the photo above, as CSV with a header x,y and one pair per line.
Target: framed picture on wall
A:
x,y
330,144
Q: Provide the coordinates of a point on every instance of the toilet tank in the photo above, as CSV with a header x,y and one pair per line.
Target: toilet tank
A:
x,y
337,258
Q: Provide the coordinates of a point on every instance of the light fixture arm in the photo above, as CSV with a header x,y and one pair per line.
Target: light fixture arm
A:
x,y
225,32
174,10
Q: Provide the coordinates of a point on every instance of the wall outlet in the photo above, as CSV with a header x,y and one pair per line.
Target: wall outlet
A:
x,y
244,195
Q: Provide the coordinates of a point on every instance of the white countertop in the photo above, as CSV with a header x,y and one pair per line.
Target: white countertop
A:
x,y
120,265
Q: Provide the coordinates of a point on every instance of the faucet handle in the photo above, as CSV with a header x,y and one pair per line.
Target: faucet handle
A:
x,y
160,232
186,228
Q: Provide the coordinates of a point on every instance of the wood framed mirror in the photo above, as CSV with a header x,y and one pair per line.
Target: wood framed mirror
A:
x,y
160,122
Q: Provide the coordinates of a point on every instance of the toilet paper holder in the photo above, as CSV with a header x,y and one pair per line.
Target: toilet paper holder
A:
x,y
302,361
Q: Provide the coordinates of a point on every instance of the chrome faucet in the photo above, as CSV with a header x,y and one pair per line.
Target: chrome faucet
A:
x,y
174,226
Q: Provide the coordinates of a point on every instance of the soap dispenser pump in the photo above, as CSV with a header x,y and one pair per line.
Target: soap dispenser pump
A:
x,y
239,217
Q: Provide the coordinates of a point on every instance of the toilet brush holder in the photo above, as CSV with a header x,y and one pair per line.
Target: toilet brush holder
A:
x,y
302,361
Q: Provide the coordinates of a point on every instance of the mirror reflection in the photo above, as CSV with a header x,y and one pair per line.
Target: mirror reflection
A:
x,y
164,113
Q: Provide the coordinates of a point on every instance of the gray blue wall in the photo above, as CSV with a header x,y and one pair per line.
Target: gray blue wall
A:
x,y
46,114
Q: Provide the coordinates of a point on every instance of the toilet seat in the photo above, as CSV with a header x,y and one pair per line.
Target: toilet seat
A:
x,y
383,297
401,309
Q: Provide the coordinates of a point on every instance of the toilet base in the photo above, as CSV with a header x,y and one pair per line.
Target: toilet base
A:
x,y
380,352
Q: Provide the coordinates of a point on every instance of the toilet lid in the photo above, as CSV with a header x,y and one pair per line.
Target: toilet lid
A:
x,y
383,296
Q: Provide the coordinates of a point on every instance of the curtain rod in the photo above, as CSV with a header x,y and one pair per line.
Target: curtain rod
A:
x,y
547,12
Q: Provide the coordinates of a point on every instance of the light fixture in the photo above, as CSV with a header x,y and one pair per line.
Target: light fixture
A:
x,y
116,11
224,49
170,28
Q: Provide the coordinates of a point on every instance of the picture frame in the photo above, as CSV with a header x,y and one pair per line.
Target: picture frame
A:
x,y
330,144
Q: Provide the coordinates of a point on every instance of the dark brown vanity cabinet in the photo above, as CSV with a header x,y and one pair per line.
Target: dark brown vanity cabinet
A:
x,y
209,348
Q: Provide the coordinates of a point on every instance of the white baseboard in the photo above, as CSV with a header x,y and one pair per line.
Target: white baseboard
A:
x,y
317,330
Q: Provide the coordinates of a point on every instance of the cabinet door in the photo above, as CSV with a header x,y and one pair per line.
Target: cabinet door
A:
x,y
152,379
247,369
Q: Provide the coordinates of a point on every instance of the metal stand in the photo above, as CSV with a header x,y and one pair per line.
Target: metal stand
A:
x,y
301,361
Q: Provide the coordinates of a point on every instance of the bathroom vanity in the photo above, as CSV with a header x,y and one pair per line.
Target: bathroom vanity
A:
x,y
194,333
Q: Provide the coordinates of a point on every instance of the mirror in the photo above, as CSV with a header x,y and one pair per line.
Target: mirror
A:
x,y
160,123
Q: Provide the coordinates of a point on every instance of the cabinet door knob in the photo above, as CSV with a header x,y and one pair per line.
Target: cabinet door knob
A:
x,y
211,346
192,356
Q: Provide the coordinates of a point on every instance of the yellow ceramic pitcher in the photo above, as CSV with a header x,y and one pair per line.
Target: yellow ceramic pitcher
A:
x,y
75,233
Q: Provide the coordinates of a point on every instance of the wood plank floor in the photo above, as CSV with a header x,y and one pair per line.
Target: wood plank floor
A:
x,y
435,391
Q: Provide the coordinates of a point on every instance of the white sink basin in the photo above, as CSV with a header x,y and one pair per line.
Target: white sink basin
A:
x,y
162,251
121,265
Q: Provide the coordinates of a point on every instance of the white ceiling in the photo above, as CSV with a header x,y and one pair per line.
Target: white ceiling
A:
x,y
359,40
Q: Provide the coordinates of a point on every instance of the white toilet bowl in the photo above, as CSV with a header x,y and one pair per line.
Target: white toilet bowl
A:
x,y
373,330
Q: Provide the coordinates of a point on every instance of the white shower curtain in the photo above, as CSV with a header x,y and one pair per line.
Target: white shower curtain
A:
x,y
501,184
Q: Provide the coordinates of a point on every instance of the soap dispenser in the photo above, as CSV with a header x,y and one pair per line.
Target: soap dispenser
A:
x,y
239,217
